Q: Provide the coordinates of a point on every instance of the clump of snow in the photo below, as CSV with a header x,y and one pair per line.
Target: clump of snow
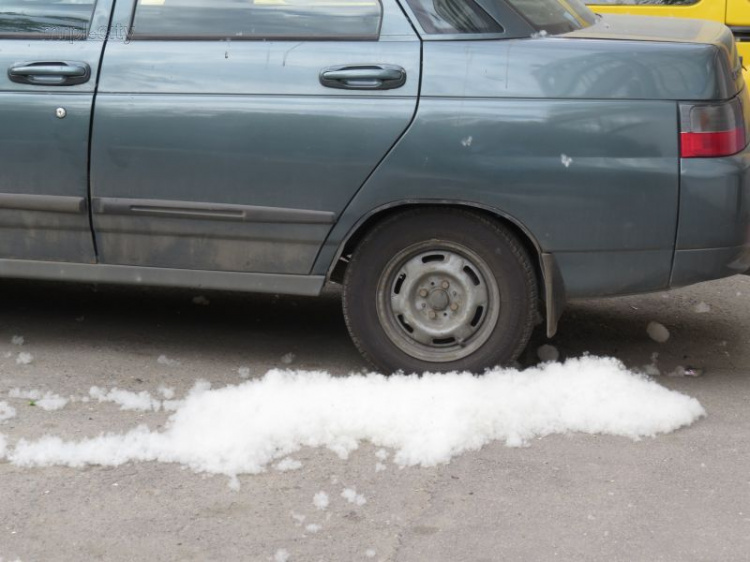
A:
x,y
24,358
702,308
539,34
6,411
244,372
313,528
46,401
566,160
17,340
281,556
164,360
379,467
127,400
657,332
685,372
652,369
381,454
3,446
467,141
320,500
427,420
351,495
288,359
200,300
166,392
370,553
548,353
234,483
288,464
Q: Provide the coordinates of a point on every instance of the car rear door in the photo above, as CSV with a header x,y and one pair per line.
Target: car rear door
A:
x,y
229,134
49,60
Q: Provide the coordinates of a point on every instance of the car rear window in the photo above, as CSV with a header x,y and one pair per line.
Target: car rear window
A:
x,y
257,19
65,19
554,16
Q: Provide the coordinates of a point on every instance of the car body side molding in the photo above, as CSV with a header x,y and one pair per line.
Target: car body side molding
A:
x,y
215,211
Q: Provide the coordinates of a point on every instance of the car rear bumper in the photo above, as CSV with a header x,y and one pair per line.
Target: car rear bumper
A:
x,y
713,237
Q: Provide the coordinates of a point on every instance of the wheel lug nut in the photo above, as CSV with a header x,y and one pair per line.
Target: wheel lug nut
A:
x,y
423,293
446,284
454,307
431,314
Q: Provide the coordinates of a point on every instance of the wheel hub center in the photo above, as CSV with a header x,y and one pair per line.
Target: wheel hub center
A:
x,y
439,300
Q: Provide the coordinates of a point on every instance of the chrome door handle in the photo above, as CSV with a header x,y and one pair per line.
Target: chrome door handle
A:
x,y
363,77
50,73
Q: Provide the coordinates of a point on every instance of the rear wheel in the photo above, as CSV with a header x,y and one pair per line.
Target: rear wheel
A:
x,y
440,290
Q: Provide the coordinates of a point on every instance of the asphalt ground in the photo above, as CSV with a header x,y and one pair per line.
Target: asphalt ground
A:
x,y
679,497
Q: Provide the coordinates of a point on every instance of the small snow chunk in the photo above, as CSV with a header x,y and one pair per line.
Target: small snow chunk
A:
x,y
201,301
657,332
166,392
313,528
548,353
51,402
141,401
566,160
539,34
288,359
234,483
351,495
281,555
320,500
686,372
702,308
244,372
17,340
467,141
379,467
164,360
3,446
24,358
288,464
381,454
6,411
370,553
652,369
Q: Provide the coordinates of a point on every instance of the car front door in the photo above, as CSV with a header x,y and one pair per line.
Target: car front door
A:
x,y
49,60
229,134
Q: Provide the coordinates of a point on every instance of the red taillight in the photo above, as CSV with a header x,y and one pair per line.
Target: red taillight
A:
x,y
707,145
711,130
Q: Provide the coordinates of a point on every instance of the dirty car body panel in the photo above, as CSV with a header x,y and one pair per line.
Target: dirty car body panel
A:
x,y
256,158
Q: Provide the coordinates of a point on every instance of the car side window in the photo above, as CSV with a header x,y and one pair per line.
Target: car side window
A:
x,y
453,16
257,19
63,19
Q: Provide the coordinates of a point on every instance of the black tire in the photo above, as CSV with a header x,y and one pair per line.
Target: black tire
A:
x,y
390,288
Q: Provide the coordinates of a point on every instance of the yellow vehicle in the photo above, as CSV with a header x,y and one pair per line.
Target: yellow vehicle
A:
x,y
734,13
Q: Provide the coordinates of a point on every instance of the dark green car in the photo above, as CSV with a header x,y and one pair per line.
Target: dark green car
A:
x,y
462,166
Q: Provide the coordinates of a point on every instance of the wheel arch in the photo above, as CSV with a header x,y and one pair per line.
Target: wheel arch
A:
x,y
551,286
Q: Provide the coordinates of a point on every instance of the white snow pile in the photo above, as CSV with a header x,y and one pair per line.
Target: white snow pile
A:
x,y
45,400
426,420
